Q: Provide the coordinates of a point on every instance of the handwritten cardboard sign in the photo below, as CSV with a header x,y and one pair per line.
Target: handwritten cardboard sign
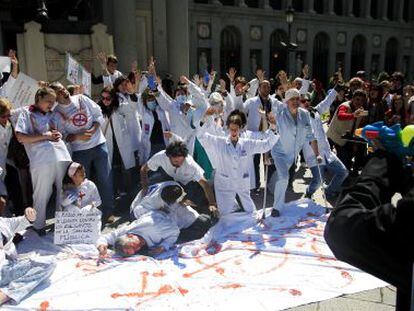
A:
x,y
77,227
23,91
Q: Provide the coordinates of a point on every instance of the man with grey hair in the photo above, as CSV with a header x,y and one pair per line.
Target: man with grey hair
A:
x,y
295,130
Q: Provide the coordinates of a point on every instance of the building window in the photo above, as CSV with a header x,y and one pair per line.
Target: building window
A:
x,y
321,57
374,9
390,10
298,5
391,54
359,45
230,49
356,8
339,7
278,53
318,6
276,4
252,3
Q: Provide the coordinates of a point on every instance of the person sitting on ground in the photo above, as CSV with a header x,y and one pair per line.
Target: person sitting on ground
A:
x,y
169,196
19,276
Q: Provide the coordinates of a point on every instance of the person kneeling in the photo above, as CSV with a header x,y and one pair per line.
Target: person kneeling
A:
x,y
169,197
154,231
19,276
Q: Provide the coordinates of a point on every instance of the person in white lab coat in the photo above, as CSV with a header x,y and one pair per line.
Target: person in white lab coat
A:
x,y
19,276
295,130
79,194
6,133
115,129
155,230
177,164
155,121
232,157
83,120
330,161
185,111
169,197
7,85
40,131
109,64
240,89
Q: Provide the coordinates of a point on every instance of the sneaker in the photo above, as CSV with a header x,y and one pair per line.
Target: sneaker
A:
x,y
275,213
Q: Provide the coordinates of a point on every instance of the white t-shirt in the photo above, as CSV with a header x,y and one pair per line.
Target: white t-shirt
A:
x,y
189,171
78,117
33,122
84,195
183,215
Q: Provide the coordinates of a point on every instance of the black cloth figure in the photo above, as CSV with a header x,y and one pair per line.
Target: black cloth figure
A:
x,y
368,232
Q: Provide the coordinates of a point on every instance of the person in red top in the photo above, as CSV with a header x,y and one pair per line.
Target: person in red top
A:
x,y
347,118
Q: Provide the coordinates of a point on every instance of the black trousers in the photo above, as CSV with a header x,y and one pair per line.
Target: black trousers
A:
x,y
197,230
368,232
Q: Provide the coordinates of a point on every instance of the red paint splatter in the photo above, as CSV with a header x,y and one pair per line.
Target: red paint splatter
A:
x,y
281,264
164,289
183,291
233,285
44,305
295,292
160,273
209,266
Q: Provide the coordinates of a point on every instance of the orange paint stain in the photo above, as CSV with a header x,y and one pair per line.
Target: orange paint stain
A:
x,y
234,285
183,291
160,273
281,264
208,267
164,289
295,292
44,305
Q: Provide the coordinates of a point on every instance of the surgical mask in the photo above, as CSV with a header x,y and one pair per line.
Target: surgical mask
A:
x,y
152,105
181,99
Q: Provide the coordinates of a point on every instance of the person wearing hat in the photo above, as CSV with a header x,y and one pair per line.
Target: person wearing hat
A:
x,y
169,196
330,161
19,276
295,130
154,231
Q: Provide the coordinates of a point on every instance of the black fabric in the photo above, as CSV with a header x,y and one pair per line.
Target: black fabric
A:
x,y
157,135
197,230
17,153
368,232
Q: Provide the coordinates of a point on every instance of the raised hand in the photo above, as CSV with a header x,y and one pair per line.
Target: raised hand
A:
x,y
184,80
232,74
151,66
101,56
260,74
305,71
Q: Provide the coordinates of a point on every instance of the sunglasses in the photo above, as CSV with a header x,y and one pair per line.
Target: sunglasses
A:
x,y
106,98
304,101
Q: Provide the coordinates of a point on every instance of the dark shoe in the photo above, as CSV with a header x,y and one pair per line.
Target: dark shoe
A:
x,y
307,196
17,238
40,232
275,213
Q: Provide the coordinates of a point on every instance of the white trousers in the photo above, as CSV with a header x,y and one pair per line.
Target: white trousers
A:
x,y
43,179
226,201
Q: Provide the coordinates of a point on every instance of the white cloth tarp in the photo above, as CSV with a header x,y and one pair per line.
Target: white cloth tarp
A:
x,y
282,264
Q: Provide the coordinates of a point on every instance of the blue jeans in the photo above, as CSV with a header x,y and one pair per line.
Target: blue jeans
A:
x,y
97,158
339,172
19,278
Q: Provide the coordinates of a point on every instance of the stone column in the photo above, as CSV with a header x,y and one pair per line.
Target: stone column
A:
x,y
329,7
309,6
101,42
125,34
34,46
241,3
367,9
216,29
349,7
178,38
399,10
383,8
159,26
264,4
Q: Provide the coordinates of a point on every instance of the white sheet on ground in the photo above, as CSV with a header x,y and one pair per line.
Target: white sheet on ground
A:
x,y
282,264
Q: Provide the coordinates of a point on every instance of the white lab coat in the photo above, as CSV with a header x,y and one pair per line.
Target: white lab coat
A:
x,y
155,227
183,216
147,127
132,118
251,92
9,227
252,108
110,80
7,86
181,122
320,135
120,129
232,167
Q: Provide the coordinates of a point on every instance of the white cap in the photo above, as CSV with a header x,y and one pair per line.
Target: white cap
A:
x,y
291,93
216,98
73,167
